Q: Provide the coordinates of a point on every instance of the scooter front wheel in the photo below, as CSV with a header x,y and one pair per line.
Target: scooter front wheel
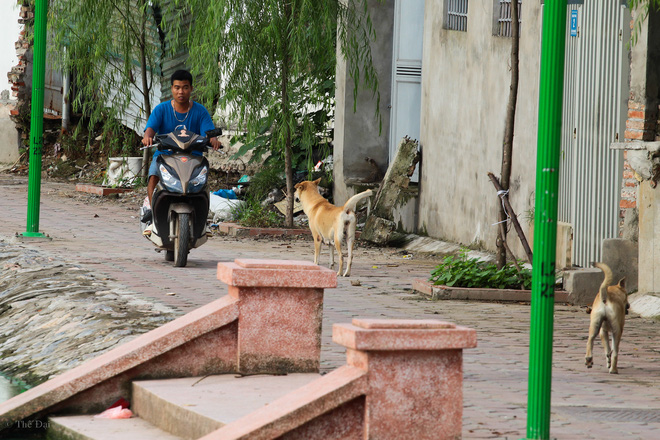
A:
x,y
181,240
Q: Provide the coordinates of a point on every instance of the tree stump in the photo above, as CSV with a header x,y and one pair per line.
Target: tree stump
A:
x,y
380,224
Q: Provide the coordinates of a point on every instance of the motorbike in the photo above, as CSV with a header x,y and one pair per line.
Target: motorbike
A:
x,y
180,202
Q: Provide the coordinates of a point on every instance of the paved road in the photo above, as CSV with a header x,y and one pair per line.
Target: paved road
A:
x,y
586,404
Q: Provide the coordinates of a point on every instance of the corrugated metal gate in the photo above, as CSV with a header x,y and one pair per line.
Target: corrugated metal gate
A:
x,y
52,91
595,109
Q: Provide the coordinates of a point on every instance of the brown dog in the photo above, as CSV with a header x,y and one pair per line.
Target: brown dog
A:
x,y
330,224
608,314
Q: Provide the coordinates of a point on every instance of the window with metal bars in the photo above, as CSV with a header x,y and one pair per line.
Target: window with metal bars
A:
x,y
456,12
503,14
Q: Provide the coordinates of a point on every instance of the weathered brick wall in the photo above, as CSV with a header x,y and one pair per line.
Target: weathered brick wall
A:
x,y
641,125
20,75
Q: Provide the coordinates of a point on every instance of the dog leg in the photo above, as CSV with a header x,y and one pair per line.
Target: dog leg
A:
x,y
616,338
594,329
341,255
605,339
350,241
317,247
332,255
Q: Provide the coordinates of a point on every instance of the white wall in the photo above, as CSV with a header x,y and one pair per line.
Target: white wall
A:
x,y
8,36
358,134
9,32
465,89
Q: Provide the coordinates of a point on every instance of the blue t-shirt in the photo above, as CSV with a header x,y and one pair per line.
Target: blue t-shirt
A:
x,y
163,121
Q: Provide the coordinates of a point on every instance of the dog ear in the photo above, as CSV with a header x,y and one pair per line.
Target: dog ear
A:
x,y
622,283
317,181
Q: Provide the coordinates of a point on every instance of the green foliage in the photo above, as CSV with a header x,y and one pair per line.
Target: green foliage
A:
x,y
275,62
461,271
270,63
268,178
312,132
112,49
252,212
642,9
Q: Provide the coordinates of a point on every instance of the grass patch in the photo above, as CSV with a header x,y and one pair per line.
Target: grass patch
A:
x,y
462,271
253,213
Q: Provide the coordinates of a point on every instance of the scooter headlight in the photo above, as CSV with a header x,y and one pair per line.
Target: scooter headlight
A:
x,y
200,180
172,183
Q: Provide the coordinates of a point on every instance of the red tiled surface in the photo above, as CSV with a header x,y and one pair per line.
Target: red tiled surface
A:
x,y
584,401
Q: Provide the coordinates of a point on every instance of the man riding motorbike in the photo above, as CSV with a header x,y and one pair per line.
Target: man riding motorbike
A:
x,y
178,113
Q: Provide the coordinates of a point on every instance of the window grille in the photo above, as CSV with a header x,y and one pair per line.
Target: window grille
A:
x,y
456,16
504,20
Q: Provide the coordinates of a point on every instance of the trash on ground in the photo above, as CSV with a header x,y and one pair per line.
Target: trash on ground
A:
x,y
118,410
222,208
325,164
226,193
275,195
115,413
301,221
281,206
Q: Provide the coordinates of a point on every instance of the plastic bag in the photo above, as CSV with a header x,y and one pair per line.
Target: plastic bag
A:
x,y
115,413
222,208
226,193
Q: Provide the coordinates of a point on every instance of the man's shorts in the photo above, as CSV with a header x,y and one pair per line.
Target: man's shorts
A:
x,y
153,168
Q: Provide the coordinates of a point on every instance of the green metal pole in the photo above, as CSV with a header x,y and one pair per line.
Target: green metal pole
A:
x,y
551,90
37,118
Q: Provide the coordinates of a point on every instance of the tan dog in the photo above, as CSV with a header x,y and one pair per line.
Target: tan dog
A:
x,y
608,314
329,223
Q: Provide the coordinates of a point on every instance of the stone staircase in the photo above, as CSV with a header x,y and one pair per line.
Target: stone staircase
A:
x,y
402,378
186,408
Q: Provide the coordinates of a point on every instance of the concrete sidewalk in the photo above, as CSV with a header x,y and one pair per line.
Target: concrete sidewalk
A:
x,y
586,404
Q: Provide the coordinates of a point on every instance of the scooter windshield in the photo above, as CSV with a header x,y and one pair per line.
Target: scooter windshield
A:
x,y
182,141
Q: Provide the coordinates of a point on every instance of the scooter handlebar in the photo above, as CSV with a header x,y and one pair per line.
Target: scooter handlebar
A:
x,y
146,147
213,133
209,134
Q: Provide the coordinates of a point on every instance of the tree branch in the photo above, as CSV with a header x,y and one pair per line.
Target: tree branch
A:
x,y
514,218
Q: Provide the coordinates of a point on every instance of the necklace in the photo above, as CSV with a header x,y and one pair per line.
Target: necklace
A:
x,y
185,117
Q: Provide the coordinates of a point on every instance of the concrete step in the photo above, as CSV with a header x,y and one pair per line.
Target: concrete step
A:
x,y
193,407
90,428
186,408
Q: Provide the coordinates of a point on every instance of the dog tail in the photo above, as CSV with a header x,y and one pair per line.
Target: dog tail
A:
x,y
606,282
353,201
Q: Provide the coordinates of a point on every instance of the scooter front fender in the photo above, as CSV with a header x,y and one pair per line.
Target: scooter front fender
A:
x,y
176,208
185,208
181,208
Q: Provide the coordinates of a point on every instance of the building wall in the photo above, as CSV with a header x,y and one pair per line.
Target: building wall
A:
x,y
465,89
643,114
8,134
10,47
359,134
8,37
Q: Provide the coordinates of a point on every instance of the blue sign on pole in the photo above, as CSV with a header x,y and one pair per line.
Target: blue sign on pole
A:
x,y
574,23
